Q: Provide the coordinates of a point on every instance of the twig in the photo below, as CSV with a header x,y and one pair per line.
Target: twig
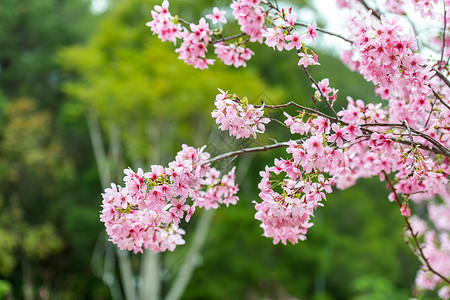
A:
x,y
326,32
414,235
308,109
439,98
228,38
430,114
443,34
229,164
318,88
279,122
374,12
249,150
442,77
439,147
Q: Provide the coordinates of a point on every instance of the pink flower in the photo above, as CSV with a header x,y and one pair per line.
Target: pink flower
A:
x,y
322,125
251,17
233,55
217,16
274,38
307,60
405,211
179,207
323,87
241,119
338,136
295,41
352,131
147,216
291,18
314,145
311,33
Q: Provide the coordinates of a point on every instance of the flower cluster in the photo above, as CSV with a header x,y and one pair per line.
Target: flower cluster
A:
x,y
323,89
234,55
163,23
145,214
405,142
240,118
193,49
387,56
251,17
289,202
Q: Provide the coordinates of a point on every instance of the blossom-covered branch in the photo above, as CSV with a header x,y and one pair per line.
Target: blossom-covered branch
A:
x,y
414,235
407,137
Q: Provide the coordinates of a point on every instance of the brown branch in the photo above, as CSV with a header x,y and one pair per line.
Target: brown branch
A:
x,y
228,38
436,95
436,149
414,235
323,96
442,77
437,146
311,110
249,150
374,12
443,34
326,32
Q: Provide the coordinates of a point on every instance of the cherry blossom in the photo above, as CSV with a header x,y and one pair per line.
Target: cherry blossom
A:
x,y
218,16
240,118
145,214
404,141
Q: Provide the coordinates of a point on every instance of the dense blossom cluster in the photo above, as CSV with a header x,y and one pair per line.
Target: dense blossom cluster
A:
x,y
387,54
384,54
232,54
163,23
145,214
289,201
240,118
405,143
253,19
251,16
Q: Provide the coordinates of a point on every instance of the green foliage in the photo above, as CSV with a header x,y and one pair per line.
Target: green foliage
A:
x,y
31,32
33,168
5,288
133,81
41,241
377,288
7,244
81,227
31,157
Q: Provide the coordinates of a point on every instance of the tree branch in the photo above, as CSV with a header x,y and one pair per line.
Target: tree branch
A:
x,y
437,148
249,150
374,12
442,77
326,32
318,88
414,235
443,34
311,110
436,95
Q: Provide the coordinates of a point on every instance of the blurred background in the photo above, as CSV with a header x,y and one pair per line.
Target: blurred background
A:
x,y
87,90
